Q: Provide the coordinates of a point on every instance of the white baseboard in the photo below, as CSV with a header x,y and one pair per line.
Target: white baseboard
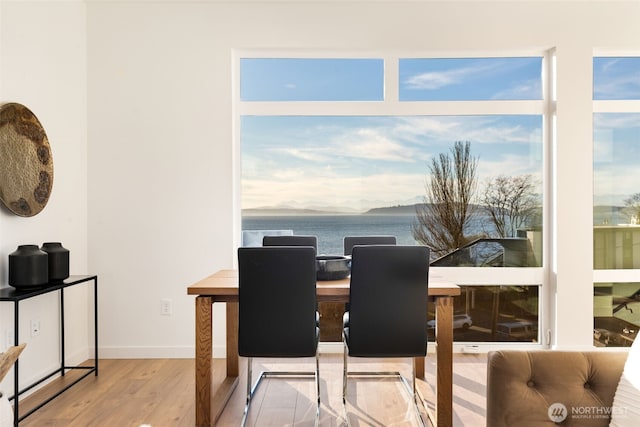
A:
x,y
186,352
331,347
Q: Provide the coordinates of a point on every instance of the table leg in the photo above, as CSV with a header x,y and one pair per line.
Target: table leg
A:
x,y
209,402
444,357
419,363
233,369
204,339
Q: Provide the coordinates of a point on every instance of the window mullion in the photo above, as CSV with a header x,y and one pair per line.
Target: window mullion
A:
x,y
391,80
390,108
616,106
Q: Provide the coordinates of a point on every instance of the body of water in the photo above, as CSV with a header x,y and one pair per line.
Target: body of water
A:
x,y
331,229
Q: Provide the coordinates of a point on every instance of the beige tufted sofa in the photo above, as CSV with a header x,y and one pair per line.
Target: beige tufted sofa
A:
x,y
522,386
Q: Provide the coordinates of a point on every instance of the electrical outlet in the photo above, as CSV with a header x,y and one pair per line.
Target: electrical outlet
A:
x,y
165,307
35,328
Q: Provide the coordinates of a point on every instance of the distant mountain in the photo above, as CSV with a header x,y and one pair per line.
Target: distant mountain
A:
x,y
355,206
395,210
287,212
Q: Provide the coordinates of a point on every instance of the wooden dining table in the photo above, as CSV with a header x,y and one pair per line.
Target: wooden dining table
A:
x,y
222,287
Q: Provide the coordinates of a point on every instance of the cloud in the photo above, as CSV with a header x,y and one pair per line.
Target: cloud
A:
x,y
476,129
527,90
346,191
608,64
623,87
434,80
370,143
616,79
603,121
421,128
380,158
364,143
312,154
615,180
499,134
507,165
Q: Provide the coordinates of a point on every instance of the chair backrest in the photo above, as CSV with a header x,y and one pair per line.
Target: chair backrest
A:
x,y
290,241
351,241
388,301
277,302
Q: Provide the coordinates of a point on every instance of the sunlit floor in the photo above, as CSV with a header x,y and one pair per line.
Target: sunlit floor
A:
x,y
160,393
370,401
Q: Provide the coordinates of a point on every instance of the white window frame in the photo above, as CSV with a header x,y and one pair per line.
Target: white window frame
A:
x,y
615,106
392,106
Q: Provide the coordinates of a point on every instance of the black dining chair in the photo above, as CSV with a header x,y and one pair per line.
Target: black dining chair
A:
x,y
277,310
387,317
295,240
351,241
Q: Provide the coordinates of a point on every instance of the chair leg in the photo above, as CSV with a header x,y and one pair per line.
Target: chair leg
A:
x,y
345,376
269,374
249,395
412,390
416,394
344,372
317,422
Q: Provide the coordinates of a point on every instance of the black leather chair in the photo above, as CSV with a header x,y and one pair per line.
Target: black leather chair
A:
x,y
388,309
294,240
351,241
277,310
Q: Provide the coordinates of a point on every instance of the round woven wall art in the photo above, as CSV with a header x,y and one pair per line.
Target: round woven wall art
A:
x,y
26,165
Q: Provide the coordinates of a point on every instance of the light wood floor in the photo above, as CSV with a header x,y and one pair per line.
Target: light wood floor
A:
x,y
160,393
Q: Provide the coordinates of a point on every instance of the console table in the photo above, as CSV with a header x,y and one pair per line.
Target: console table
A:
x,y
15,295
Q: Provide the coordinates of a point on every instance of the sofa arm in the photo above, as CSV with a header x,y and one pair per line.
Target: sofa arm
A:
x,y
522,386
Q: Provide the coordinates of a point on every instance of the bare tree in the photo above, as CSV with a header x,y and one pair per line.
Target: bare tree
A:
x,y
633,206
441,220
511,202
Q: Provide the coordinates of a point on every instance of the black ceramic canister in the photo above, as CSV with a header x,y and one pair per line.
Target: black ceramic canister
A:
x,y
58,261
28,267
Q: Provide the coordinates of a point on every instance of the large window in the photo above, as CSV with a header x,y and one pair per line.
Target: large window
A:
x,y
616,210
352,146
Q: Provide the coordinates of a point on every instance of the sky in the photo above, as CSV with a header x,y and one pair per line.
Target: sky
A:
x,y
360,162
616,136
364,162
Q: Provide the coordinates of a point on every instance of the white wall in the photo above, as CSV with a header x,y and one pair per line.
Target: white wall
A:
x,y
43,66
159,168
162,169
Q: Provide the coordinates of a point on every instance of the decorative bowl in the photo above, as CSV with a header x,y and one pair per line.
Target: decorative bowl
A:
x,y
333,267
